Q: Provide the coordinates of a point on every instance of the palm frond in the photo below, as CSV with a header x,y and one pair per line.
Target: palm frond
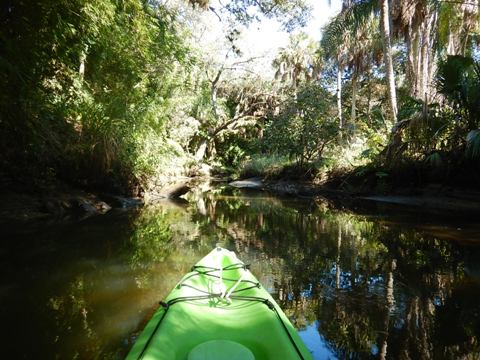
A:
x,y
342,30
473,144
451,75
434,159
458,79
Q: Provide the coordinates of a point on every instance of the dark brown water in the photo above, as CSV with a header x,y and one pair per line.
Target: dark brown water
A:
x,y
387,285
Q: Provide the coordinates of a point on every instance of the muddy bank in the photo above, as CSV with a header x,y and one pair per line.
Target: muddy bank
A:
x,y
62,202
432,197
285,187
457,202
62,205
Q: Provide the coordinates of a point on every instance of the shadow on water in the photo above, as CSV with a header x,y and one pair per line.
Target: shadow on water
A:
x,y
356,286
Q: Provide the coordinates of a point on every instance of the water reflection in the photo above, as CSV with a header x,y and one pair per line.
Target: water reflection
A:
x,y
355,287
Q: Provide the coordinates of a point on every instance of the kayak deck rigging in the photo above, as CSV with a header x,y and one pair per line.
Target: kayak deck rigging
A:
x,y
206,290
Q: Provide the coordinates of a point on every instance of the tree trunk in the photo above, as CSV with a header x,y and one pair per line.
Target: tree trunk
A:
x,y
432,61
353,115
412,59
418,65
339,94
390,303
338,271
369,94
213,92
83,58
451,48
387,56
202,149
425,62
213,99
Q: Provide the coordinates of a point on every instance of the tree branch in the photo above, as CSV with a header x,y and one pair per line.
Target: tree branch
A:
x,y
230,122
212,9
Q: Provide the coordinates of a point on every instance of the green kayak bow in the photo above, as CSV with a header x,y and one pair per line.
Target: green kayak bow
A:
x,y
219,310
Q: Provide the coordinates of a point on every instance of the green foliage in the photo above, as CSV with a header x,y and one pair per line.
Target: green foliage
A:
x,y
436,137
108,94
458,79
381,174
434,159
426,127
458,27
299,61
268,166
291,13
233,149
350,22
473,144
304,125
78,101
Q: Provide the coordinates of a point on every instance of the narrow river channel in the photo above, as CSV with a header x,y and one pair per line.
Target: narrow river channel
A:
x,y
384,285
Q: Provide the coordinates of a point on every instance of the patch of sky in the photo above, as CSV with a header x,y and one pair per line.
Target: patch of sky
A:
x,y
262,40
316,343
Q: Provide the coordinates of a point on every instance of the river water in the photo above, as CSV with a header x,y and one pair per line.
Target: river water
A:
x,y
381,284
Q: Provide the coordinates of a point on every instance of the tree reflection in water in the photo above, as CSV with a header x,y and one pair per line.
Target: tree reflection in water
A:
x,y
353,286
373,291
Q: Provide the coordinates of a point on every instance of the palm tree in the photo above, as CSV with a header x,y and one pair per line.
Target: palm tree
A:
x,y
387,56
363,52
348,24
430,28
298,62
350,39
415,21
458,80
457,22
335,41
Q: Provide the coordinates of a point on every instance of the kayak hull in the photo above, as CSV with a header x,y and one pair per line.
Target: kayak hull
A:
x,y
201,309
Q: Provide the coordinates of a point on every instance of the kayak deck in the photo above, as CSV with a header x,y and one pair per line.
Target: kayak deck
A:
x,y
219,300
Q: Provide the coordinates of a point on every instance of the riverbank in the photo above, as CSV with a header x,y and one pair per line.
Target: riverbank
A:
x,y
32,193
433,197
60,204
62,201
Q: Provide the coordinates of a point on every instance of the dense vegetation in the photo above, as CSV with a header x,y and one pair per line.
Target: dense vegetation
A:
x,y
116,94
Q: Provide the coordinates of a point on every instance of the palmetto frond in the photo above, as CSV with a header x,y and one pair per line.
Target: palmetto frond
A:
x,y
473,144
452,75
458,79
